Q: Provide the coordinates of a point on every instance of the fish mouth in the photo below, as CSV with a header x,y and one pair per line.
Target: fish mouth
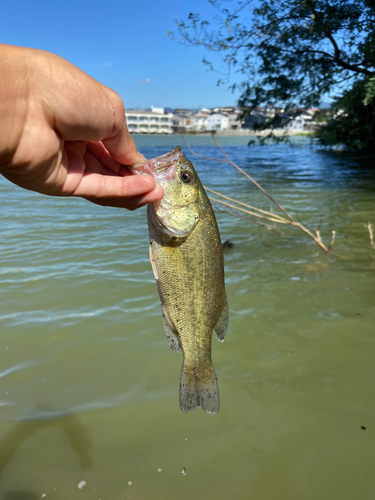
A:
x,y
164,228
159,164
165,161
168,205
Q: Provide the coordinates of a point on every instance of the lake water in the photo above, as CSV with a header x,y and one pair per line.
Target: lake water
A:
x,y
89,385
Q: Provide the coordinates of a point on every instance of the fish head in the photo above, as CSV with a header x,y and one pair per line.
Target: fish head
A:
x,y
181,208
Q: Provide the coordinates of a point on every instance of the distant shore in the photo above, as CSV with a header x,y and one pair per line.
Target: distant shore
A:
x,y
249,132
236,133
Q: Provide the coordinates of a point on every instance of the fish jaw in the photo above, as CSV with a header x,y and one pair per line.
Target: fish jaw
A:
x,y
160,215
162,167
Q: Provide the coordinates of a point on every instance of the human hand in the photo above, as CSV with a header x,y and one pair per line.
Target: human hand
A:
x,y
62,133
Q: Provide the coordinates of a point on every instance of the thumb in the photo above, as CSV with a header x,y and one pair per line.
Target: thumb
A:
x,y
119,142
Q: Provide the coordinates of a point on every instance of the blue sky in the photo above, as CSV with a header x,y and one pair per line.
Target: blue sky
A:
x,y
123,45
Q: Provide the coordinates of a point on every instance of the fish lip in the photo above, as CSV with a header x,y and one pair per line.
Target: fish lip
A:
x,y
158,164
165,161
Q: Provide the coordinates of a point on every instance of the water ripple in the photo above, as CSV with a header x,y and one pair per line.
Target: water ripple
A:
x,y
78,296
21,366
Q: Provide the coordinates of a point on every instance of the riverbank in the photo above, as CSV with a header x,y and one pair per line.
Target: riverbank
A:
x,y
251,133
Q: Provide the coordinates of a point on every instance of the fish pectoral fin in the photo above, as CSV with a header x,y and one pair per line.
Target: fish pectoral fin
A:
x,y
222,323
170,332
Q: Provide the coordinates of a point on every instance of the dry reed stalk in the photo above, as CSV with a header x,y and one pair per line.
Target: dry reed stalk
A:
x,y
257,212
232,212
248,212
270,214
371,234
332,240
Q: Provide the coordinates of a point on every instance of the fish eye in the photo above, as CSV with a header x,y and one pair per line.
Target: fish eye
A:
x,y
186,176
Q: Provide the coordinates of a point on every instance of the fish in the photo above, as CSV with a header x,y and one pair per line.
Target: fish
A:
x,y
187,261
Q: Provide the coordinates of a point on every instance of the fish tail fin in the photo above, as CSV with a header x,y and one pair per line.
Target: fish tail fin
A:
x,y
199,389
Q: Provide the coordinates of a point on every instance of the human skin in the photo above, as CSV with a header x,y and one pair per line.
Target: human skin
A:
x,y
62,133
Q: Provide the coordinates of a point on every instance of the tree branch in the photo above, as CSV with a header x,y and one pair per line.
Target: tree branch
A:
x,y
337,52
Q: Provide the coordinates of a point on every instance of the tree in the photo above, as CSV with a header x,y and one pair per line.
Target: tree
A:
x,y
353,120
292,53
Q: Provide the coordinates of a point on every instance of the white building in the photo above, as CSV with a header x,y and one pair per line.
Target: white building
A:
x,y
182,123
233,122
149,122
297,124
160,111
199,121
217,121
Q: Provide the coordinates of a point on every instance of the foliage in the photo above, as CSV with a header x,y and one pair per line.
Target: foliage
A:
x,y
353,121
369,91
292,53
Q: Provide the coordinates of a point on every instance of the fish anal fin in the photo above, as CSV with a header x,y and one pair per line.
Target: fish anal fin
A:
x,y
222,322
171,334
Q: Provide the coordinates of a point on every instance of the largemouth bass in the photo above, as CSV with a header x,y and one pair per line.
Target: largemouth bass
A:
x,y
187,261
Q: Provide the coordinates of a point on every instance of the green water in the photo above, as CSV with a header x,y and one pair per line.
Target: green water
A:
x,y
89,386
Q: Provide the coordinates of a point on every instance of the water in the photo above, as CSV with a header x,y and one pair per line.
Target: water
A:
x,y
89,387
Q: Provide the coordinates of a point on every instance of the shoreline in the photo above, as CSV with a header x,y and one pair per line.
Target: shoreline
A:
x,y
248,132
236,133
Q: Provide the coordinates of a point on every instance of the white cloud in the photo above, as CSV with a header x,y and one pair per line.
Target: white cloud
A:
x,y
146,81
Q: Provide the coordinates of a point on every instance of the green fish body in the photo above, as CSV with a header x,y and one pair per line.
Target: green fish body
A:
x,y
187,261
